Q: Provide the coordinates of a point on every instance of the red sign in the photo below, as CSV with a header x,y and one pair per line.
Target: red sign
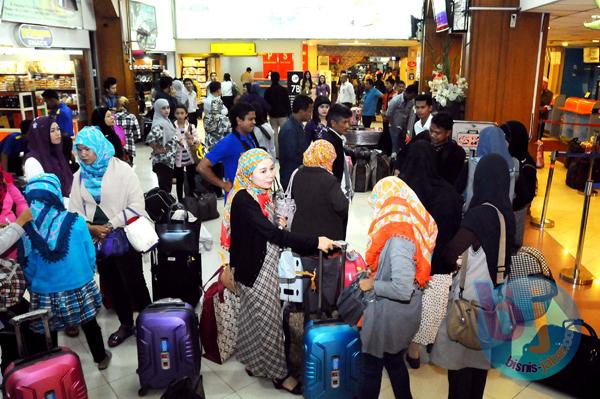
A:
x,y
278,62
412,64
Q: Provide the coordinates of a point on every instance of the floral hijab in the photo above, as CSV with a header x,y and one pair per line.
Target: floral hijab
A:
x,y
397,212
246,165
321,154
91,175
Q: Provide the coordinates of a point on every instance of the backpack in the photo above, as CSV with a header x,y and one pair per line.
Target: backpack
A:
x,y
361,174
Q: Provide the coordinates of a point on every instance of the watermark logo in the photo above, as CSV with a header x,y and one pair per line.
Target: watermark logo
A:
x,y
531,335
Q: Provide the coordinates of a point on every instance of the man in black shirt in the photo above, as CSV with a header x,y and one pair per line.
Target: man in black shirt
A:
x,y
450,157
338,123
278,99
165,84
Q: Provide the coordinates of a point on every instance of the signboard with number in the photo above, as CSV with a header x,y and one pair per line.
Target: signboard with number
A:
x,y
294,84
466,134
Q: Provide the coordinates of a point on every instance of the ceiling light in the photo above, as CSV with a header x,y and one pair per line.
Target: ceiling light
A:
x,y
565,44
595,41
354,43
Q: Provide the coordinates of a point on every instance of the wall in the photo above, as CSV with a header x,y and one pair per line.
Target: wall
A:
x,y
235,66
186,46
578,78
501,66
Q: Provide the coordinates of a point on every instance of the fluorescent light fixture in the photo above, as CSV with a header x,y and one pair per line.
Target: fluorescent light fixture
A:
x,y
565,44
147,60
354,43
595,41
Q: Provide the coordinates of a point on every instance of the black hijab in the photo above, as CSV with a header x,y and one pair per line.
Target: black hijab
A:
x,y
109,132
518,141
491,184
440,199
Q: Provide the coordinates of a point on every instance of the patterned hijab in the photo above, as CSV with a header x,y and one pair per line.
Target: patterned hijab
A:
x,y
397,212
49,155
50,230
320,154
169,130
91,175
246,165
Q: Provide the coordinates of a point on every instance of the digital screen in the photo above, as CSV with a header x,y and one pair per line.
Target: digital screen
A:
x,y
440,15
307,19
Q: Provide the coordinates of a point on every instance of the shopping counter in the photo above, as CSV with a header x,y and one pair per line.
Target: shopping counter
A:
x,y
580,119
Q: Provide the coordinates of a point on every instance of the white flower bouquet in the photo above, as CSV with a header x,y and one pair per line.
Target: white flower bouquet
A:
x,y
443,91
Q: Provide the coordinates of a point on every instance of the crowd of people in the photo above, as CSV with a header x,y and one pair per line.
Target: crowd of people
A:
x,y
435,207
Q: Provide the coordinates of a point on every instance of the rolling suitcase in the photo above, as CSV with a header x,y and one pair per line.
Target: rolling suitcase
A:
x,y
168,344
331,355
53,374
176,275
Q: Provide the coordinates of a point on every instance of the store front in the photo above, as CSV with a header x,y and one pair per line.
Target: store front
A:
x,y
36,57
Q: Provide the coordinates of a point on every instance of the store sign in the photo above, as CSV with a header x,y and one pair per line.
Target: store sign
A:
x,y
34,36
228,48
66,14
294,80
466,133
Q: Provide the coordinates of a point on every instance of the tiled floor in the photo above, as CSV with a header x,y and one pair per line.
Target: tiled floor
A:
x,y
229,380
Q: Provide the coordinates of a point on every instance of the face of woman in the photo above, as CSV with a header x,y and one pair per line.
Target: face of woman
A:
x,y
323,110
307,75
164,111
109,119
322,79
86,155
264,174
55,133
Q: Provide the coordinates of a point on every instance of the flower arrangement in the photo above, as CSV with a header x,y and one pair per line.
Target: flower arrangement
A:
x,y
445,92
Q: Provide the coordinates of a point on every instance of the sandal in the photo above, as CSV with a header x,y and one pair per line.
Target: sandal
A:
x,y
72,331
117,338
297,390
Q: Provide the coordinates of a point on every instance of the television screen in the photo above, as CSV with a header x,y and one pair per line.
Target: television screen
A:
x,y
440,15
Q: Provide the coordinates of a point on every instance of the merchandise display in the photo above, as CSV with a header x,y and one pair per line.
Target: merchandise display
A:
x,y
195,69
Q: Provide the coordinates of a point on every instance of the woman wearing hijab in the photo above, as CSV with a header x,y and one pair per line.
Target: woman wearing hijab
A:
x,y
479,234
317,126
254,240
163,139
525,186
401,241
106,192
13,204
180,93
59,260
321,210
216,122
105,120
444,204
491,141
45,153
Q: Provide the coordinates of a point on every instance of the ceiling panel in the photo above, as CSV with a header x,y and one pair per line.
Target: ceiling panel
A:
x,y
566,21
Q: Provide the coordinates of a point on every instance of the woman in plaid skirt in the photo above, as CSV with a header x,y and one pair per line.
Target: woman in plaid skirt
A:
x,y
59,261
254,241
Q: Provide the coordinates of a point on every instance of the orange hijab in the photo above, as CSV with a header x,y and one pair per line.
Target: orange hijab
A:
x,y
397,212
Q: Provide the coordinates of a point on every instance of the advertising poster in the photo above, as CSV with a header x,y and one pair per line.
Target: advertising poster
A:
x,y
63,13
143,25
294,79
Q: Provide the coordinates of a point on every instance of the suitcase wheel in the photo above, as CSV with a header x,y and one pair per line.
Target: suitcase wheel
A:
x,y
142,391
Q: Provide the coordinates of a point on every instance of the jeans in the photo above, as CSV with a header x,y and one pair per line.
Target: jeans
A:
x,y
372,370
125,284
276,124
398,139
165,176
187,173
467,383
367,120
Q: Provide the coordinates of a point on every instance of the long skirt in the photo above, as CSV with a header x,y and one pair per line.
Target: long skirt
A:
x,y
435,302
260,342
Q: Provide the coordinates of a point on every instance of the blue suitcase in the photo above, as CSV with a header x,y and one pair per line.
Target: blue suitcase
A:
x,y
331,354
168,344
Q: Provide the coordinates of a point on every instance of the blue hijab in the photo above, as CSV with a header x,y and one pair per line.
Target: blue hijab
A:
x,y
50,231
91,175
493,141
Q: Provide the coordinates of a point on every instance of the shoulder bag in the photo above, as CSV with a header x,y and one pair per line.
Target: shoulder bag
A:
x,y
12,284
470,323
285,204
140,233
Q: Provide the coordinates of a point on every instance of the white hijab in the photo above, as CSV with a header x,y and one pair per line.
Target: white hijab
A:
x,y
168,128
180,92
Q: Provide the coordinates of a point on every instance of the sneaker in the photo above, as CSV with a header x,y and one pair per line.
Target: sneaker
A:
x,y
104,363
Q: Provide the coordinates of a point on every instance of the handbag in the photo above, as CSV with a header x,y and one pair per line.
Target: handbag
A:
x,y
472,324
218,320
140,233
178,236
12,284
352,301
285,205
115,244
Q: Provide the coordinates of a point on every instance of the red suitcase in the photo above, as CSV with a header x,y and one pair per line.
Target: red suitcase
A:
x,y
53,374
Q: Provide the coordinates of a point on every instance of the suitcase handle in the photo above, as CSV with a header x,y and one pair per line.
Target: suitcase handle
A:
x,y
579,322
165,302
44,315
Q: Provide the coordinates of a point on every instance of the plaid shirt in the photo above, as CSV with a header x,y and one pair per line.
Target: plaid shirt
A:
x,y
130,124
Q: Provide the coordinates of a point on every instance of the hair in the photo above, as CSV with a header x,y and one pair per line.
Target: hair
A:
x,y
320,100
25,124
379,75
213,73
337,112
248,87
188,80
214,87
411,89
305,79
260,115
443,120
401,82
424,97
324,79
227,77
50,94
248,69
165,82
370,81
391,80
109,82
301,103
239,110
182,106
275,77
122,102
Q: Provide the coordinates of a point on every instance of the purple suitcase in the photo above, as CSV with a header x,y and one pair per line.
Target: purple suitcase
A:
x,y
168,344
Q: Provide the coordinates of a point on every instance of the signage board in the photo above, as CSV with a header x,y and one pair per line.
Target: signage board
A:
x,y
65,14
34,36
294,84
466,133
230,48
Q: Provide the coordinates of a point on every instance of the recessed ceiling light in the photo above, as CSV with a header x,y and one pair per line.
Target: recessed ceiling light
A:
x,y
565,44
595,41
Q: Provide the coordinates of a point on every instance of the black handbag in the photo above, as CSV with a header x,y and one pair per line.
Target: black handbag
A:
x,y
352,302
178,236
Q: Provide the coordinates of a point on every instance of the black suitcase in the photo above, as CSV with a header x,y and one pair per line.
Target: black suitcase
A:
x,y
204,207
361,176
158,204
176,275
380,167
